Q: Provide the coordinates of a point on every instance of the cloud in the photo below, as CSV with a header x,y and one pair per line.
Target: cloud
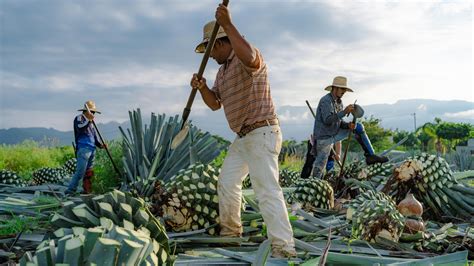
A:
x,y
469,114
57,54
287,117
422,107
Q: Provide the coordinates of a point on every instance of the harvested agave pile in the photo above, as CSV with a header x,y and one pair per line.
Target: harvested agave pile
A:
x,y
288,177
70,166
8,177
373,170
47,175
189,200
375,214
313,193
431,180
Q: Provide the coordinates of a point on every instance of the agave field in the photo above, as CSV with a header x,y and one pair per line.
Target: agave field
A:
x,y
162,209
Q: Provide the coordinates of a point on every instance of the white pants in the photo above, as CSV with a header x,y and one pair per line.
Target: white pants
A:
x,y
257,154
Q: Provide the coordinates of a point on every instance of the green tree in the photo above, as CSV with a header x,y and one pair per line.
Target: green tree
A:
x,y
453,133
379,137
412,141
429,137
424,139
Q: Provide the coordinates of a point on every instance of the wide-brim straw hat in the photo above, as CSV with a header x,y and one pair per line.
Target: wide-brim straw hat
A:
x,y
91,106
340,82
207,32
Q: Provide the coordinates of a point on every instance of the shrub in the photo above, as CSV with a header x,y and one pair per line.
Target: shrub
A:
x,y
106,178
29,155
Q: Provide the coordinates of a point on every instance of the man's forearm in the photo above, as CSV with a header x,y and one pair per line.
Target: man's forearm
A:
x,y
209,97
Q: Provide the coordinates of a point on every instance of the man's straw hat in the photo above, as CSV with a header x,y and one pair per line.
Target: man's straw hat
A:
x,y
207,32
340,82
91,106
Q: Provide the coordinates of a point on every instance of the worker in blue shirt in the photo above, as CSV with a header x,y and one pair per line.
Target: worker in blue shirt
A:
x,y
329,127
86,142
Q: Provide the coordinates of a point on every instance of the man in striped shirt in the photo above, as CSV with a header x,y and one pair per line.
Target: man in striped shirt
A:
x,y
242,88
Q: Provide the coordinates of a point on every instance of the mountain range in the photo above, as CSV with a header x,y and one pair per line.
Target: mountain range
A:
x,y
296,121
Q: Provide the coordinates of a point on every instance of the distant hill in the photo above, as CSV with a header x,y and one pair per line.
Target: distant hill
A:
x,y
53,136
296,121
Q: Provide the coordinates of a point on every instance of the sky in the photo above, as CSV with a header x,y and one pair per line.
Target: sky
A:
x,y
55,55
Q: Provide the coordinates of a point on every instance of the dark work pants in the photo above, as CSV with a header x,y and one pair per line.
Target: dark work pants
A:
x,y
308,164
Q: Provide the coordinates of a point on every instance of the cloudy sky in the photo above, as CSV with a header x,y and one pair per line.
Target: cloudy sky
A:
x,y
55,55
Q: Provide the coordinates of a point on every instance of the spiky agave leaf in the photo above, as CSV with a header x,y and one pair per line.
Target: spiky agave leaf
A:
x,y
101,245
148,155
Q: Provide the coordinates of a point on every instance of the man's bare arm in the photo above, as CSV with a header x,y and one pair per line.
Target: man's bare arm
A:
x,y
243,50
209,97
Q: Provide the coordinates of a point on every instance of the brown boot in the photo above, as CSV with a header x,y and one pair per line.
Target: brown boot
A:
x,y
87,181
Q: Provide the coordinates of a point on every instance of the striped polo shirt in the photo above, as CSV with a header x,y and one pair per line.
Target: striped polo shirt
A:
x,y
244,92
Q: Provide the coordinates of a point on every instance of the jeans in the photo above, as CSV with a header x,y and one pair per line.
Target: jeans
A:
x,y
85,160
256,154
309,161
323,147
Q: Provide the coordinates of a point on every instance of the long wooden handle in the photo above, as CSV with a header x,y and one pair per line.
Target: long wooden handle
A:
x,y
103,143
202,67
347,149
311,109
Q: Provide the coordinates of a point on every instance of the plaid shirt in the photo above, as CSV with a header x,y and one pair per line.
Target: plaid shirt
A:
x,y
244,92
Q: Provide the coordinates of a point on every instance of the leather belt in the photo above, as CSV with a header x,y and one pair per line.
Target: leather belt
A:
x,y
247,129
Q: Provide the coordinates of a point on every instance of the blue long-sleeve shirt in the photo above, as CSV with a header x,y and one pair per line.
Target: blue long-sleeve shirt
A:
x,y
84,133
329,114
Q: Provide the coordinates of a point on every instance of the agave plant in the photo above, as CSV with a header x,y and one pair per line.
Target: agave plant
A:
x,y
313,193
48,175
106,244
430,178
149,156
8,177
121,208
375,214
